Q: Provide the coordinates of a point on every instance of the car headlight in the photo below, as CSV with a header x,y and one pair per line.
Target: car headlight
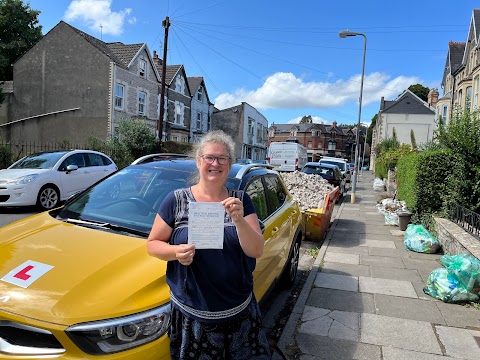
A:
x,y
27,179
114,335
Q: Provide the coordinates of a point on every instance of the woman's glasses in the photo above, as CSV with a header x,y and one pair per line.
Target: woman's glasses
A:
x,y
210,159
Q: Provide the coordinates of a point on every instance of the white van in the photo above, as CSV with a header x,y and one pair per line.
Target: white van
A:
x,y
287,156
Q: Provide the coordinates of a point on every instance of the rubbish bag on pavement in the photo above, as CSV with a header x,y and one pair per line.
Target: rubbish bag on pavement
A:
x,y
379,185
443,285
465,268
419,239
391,218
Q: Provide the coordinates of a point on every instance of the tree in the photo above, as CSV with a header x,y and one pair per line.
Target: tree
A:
x,y
307,119
420,90
370,129
19,31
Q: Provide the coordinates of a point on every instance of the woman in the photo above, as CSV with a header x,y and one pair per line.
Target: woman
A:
x,y
214,311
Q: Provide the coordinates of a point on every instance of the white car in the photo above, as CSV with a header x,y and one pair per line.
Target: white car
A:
x,y
44,179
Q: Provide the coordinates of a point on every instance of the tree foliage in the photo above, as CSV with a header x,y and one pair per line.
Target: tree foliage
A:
x,y
420,90
307,119
19,31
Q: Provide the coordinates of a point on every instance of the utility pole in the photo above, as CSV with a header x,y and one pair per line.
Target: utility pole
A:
x,y
166,25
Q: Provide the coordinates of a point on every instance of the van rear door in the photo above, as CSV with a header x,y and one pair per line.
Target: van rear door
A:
x,y
283,157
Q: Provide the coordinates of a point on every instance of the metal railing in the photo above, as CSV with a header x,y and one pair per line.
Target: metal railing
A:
x,y
466,219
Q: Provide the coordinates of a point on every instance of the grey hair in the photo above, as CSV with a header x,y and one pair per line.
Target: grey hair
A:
x,y
216,137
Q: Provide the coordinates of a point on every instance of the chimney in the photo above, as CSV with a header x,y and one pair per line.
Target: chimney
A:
x,y
334,124
382,103
432,98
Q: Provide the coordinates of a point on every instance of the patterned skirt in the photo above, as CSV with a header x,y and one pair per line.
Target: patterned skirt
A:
x,y
241,338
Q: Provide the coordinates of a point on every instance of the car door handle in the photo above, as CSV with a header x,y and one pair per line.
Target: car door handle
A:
x,y
275,230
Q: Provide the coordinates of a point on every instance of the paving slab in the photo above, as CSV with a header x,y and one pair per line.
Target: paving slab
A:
x,y
334,324
423,256
342,258
400,333
385,272
388,252
418,286
386,287
382,261
383,237
335,281
459,316
325,348
428,265
346,269
359,250
343,242
406,308
458,343
391,353
341,300
377,243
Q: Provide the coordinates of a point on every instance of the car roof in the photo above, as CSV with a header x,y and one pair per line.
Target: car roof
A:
x,y
324,165
158,157
238,172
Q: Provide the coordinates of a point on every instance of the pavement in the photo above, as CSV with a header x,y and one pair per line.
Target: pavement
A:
x,y
364,299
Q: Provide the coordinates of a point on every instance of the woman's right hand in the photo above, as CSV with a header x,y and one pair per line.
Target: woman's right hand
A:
x,y
185,253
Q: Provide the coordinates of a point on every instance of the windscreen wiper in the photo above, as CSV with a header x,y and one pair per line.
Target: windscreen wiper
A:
x,y
106,225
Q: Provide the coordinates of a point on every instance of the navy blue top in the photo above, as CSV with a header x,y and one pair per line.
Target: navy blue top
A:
x,y
219,283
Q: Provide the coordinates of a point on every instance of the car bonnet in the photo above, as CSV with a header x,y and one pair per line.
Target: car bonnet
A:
x,y
65,274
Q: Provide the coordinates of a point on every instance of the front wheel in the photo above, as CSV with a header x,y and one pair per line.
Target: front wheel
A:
x,y
291,267
48,197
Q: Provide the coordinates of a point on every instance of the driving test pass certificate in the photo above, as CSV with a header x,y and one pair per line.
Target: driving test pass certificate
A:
x,y
205,225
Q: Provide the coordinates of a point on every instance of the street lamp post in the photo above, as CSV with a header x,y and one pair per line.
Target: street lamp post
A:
x,y
344,34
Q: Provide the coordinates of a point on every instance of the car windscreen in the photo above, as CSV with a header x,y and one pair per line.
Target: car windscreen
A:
x,y
38,161
130,198
341,165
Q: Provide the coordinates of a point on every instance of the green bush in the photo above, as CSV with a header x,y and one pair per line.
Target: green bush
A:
x,y
389,158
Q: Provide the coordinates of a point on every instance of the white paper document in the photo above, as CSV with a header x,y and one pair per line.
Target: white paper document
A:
x,y
205,225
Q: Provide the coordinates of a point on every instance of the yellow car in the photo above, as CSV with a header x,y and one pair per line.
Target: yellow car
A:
x,y
76,282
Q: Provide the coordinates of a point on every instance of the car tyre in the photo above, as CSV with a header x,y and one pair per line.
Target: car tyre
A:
x,y
48,197
291,267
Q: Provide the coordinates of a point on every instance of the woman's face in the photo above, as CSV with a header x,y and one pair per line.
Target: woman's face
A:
x,y
214,163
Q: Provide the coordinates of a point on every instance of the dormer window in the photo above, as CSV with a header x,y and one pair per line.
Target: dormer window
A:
x,y
142,66
180,85
200,93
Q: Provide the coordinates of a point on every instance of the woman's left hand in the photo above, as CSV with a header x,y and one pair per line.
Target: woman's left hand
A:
x,y
234,208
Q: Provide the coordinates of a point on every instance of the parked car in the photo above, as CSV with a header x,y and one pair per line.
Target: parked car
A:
x,y
329,172
157,157
341,163
351,166
365,167
46,178
244,161
77,282
264,162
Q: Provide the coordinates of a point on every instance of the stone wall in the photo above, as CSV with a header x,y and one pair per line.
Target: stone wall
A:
x,y
455,240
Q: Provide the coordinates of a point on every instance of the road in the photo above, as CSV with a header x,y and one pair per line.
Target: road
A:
x,y
9,215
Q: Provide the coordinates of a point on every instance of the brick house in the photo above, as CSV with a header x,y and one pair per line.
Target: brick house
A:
x,y
70,86
319,139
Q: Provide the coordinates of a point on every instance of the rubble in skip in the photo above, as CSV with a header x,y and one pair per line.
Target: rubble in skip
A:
x,y
308,189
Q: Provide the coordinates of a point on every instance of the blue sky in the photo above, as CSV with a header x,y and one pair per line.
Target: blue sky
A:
x,y
285,58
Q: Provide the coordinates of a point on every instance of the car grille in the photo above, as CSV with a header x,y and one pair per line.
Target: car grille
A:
x,y
19,339
4,198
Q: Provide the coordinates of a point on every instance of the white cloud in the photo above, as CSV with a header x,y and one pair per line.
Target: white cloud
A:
x,y
98,16
286,91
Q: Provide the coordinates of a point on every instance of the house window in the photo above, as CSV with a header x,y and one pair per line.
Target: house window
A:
x,y
475,91
251,126
199,120
184,139
460,97
174,138
309,145
142,66
179,113
259,132
200,93
468,99
119,89
332,145
444,114
141,103
180,84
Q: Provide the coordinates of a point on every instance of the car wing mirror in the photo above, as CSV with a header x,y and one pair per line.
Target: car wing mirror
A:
x,y
71,168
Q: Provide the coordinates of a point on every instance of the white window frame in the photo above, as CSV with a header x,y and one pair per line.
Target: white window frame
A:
x,y
199,120
468,98
445,113
475,91
119,98
180,85
142,68
142,103
200,94
179,113
332,146
251,126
